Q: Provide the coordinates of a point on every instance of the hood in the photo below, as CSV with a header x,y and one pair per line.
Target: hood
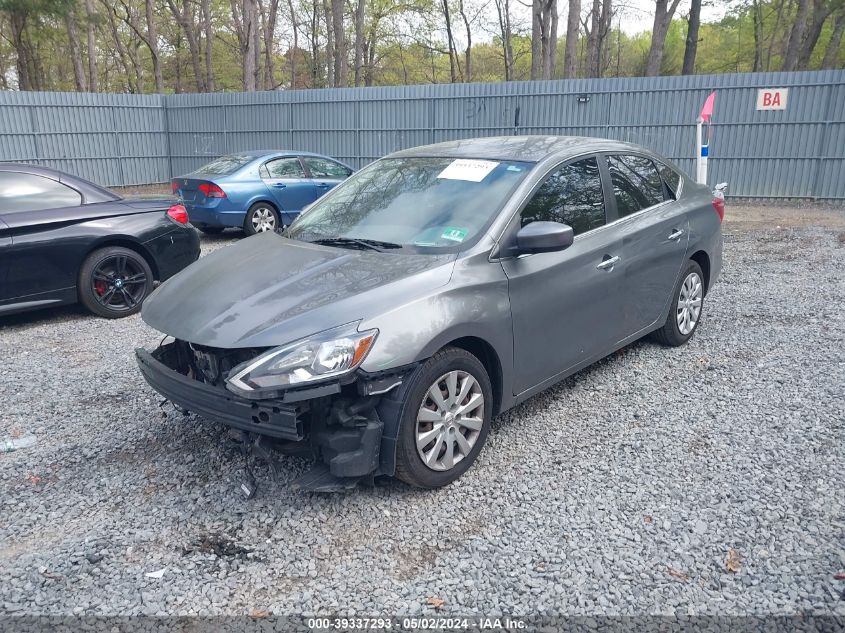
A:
x,y
268,290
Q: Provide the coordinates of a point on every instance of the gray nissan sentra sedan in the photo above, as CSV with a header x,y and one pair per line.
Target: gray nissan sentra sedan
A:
x,y
432,290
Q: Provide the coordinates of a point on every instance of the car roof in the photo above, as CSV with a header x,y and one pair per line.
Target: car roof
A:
x,y
263,153
91,192
521,148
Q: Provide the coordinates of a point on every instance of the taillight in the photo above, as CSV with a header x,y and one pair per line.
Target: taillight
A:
x,y
719,205
210,190
174,187
177,213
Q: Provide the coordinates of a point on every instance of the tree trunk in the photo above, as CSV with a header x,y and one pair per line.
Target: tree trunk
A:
x,y
543,32
821,12
593,40
450,41
294,53
468,51
91,45
341,63
691,47
757,17
504,14
831,53
205,10
330,48
75,51
796,36
570,55
662,17
152,44
268,32
551,42
360,14
23,53
536,38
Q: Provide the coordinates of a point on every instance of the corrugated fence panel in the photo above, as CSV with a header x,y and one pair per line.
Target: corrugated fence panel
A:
x,y
135,139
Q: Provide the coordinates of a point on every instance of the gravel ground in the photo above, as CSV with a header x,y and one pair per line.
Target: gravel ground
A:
x,y
630,488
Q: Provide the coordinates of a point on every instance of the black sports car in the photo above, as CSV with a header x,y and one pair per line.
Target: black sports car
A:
x,y
64,239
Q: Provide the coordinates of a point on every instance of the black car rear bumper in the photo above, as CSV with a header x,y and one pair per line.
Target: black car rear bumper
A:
x,y
267,417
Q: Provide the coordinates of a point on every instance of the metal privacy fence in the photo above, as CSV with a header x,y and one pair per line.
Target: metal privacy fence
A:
x,y
112,139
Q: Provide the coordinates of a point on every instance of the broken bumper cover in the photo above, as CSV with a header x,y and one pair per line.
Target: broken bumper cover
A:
x,y
266,417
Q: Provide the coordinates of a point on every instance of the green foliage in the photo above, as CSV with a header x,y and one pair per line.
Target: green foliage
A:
x,y
404,43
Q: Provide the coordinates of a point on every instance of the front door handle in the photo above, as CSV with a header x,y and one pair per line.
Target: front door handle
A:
x,y
279,185
323,185
609,263
676,235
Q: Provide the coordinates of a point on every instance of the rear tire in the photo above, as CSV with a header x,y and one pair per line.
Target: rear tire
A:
x,y
429,453
114,281
210,230
262,217
686,310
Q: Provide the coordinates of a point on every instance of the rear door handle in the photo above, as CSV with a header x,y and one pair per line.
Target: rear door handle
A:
x,y
279,185
323,185
608,264
676,235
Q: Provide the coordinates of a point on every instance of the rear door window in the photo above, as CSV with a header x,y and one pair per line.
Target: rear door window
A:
x,y
283,168
324,168
636,183
570,195
28,192
671,179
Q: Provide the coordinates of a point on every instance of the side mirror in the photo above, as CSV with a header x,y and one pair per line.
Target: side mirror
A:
x,y
544,237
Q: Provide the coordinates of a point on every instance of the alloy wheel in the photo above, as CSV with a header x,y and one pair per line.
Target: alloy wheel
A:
x,y
689,303
119,283
263,219
449,420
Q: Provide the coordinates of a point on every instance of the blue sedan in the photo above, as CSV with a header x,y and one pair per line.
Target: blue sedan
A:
x,y
259,191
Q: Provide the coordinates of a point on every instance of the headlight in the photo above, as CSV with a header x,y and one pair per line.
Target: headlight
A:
x,y
331,353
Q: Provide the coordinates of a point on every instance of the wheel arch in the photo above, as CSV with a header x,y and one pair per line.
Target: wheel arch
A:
x,y
263,200
125,242
488,357
701,258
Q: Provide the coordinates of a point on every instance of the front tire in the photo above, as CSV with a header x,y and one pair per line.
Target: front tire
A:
x,y
686,309
260,218
114,281
445,418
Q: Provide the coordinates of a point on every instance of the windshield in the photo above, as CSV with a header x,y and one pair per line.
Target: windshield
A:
x,y
416,203
225,165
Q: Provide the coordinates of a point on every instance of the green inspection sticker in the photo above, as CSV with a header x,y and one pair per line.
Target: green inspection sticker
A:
x,y
454,234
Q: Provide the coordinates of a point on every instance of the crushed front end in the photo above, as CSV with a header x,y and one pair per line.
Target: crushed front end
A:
x,y
336,421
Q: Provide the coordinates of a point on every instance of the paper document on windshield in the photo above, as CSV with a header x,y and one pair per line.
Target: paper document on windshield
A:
x,y
468,169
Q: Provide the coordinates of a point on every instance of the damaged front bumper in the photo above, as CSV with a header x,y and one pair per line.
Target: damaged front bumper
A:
x,y
337,423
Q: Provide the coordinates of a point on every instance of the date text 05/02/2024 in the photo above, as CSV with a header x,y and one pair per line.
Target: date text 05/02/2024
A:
x,y
417,624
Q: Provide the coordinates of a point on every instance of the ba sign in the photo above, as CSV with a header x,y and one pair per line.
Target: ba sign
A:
x,y
772,98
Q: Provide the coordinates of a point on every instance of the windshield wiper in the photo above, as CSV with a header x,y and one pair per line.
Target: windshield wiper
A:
x,y
375,245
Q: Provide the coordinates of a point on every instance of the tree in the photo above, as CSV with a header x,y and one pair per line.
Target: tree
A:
x,y
570,59
503,11
834,49
186,18
663,13
91,44
543,38
694,23
600,17
75,49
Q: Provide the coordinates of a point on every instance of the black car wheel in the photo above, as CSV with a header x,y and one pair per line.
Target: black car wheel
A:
x,y
261,218
687,306
446,413
114,281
